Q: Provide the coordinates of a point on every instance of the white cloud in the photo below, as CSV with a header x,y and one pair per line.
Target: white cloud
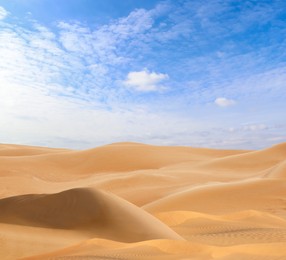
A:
x,y
250,127
76,38
57,97
3,13
254,127
30,115
224,102
138,21
145,81
106,43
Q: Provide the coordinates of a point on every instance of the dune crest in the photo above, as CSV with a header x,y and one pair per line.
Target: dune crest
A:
x,y
136,201
98,213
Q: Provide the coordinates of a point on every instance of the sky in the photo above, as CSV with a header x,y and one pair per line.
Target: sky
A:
x,y
84,73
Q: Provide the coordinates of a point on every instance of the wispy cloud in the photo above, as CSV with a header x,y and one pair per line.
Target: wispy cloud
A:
x,y
253,127
3,13
106,43
53,96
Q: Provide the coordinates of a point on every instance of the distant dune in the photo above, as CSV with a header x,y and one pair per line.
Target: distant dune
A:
x,y
137,201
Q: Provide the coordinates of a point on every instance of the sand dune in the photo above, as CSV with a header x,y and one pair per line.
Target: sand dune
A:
x,y
251,163
86,210
21,150
118,157
136,201
245,227
151,249
164,249
259,194
278,171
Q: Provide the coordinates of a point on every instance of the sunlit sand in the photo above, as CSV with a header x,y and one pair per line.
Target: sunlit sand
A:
x,y
137,201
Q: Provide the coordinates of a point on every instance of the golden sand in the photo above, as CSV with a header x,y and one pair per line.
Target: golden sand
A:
x,y
135,201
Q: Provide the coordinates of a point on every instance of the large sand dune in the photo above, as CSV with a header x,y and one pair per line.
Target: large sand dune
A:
x,y
135,201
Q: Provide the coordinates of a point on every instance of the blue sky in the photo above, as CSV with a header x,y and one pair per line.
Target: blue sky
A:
x,y
80,74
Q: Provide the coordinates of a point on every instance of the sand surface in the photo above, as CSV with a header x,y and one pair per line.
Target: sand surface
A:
x,y
136,201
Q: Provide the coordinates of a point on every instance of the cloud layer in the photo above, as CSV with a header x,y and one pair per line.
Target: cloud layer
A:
x,y
157,75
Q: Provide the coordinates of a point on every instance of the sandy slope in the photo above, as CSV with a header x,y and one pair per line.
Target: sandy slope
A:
x,y
135,201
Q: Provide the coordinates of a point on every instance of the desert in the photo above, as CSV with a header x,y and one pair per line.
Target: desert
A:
x,y
138,201
142,129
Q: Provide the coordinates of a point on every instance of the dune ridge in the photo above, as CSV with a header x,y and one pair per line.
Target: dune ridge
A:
x,y
85,210
137,201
